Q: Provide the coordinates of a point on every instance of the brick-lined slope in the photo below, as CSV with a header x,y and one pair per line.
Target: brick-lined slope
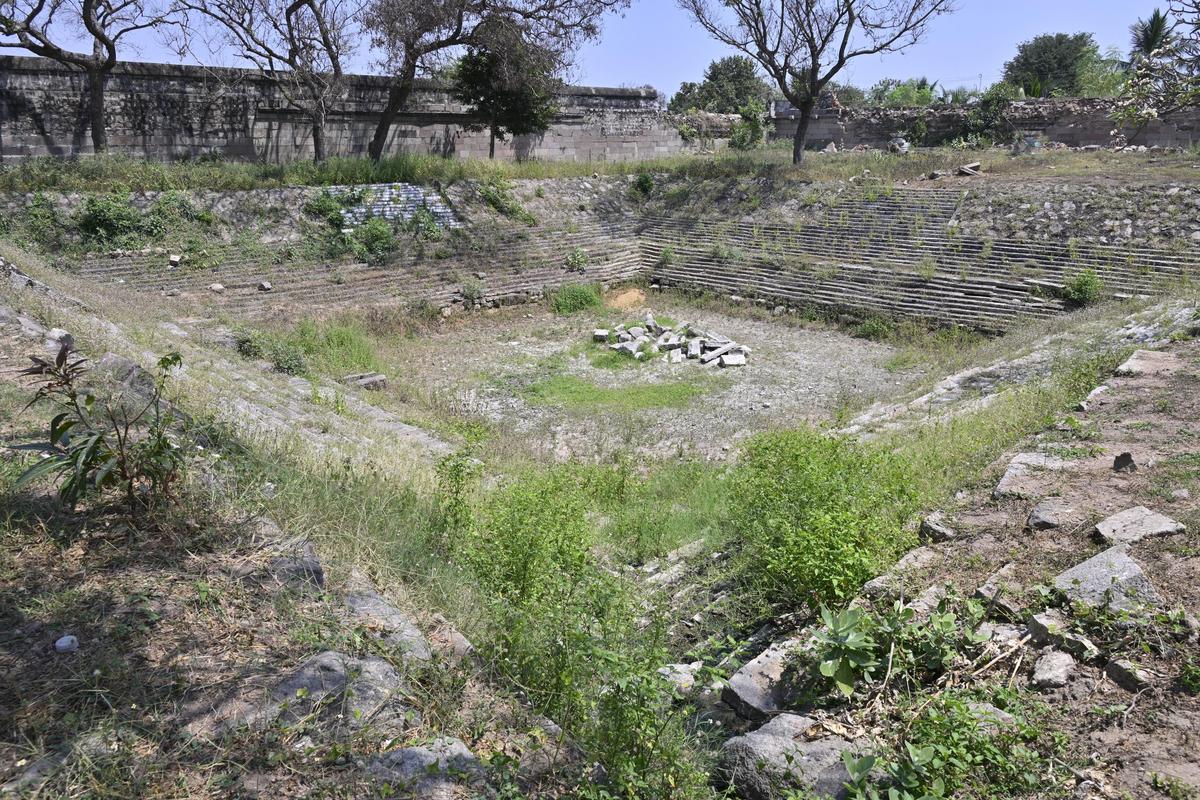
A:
x,y
895,253
499,268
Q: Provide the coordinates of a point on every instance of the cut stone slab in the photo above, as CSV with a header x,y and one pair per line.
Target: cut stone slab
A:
x,y
600,335
1137,523
1049,514
889,583
436,771
990,718
713,355
999,592
764,684
936,528
265,286
1128,675
1111,579
733,360
388,623
1053,670
299,567
1022,478
1051,627
364,688
694,347
778,759
676,356
370,381
1149,362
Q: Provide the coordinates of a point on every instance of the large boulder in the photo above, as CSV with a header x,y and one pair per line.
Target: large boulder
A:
x,y
1111,579
435,771
765,683
779,760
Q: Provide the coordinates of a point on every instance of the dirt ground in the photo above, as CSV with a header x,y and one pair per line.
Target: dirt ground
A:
x,y
489,365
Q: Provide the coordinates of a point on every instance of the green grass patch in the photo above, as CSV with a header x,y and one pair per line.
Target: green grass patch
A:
x,y
575,297
568,391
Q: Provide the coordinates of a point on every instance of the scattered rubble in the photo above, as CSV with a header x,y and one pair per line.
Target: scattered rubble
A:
x,y
370,381
675,342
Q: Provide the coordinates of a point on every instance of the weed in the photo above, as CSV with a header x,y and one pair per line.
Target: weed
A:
x,y
498,194
577,259
667,257
820,514
643,184
1189,677
875,328
1084,289
573,298
122,443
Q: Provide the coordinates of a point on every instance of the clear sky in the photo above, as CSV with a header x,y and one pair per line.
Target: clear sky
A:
x,y
657,43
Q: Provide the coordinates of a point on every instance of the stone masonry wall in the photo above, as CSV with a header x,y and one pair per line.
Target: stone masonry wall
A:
x,y
1076,123
163,112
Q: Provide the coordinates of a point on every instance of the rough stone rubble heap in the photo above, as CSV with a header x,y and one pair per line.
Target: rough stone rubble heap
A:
x,y
675,342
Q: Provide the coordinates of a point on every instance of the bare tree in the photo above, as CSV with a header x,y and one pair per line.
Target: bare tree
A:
x,y
803,44
414,36
43,27
298,44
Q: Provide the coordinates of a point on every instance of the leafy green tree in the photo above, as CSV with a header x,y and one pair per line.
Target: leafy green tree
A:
x,y
847,94
1103,75
892,93
1148,35
729,85
509,82
1051,65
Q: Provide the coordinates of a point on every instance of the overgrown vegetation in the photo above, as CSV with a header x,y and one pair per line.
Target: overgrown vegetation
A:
x,y
573,298
123,442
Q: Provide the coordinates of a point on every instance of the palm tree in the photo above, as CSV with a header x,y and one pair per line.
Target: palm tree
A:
x,y
1149,35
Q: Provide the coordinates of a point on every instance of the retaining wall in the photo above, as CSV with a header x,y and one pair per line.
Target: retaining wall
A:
x,y
163,111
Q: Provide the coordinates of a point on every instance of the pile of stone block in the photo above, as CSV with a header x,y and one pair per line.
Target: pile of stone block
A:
x,y
393,202
675,343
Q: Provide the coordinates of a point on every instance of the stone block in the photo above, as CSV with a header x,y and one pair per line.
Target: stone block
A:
x,y
1134,524
1111,578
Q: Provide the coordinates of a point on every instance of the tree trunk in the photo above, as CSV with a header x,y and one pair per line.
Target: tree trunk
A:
x,y
318,134
96,80
491,143
398,95
800,139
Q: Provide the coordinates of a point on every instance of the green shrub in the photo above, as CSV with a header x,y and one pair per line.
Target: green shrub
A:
x,y
110,220
643,184
122,443
948,747
577,259
287,357
334,347
374,240
424,226
820,514
874,328
325,207
667,257
248,343
574,297
747,133
1084,289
